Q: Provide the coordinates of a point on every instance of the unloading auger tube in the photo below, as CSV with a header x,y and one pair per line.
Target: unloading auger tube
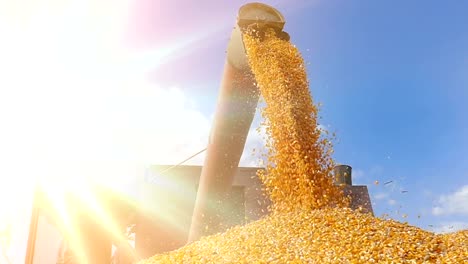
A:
x,y
237,102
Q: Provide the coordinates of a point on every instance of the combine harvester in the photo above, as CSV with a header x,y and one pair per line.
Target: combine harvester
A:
x,y
167,218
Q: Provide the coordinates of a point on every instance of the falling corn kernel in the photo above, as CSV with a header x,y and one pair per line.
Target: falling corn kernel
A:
x,y
309,221
299,167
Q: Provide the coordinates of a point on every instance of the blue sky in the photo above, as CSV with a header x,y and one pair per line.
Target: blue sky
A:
x,y
108,88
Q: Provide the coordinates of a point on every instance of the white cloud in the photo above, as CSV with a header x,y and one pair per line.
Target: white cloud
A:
x,y
380,196
454,203
449,227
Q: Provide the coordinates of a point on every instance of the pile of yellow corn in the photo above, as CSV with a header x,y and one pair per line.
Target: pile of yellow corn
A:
x,y
309,222
322,236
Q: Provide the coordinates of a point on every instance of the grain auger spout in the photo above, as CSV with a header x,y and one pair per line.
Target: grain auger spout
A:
x,y
237,102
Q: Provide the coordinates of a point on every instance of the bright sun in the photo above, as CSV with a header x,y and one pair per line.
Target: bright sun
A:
x,y
46,45
75,103
67,83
